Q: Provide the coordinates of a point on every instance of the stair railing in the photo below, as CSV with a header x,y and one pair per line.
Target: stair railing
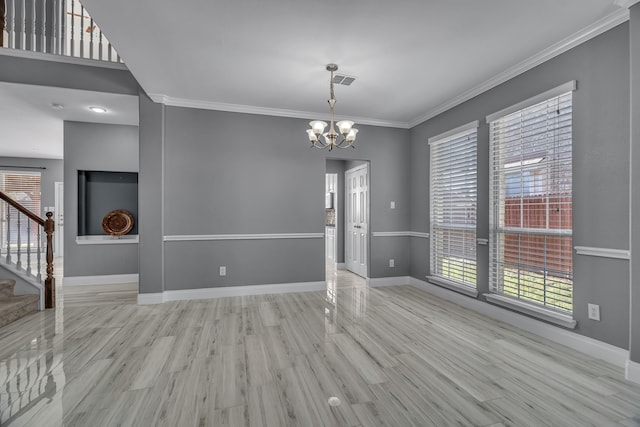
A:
x,y
23,233
58,27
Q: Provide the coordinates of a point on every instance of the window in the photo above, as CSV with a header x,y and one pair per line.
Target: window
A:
x,y
530,242
453,201
23,187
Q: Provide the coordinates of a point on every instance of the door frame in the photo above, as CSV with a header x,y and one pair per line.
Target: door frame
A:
x,y
59,207
366,165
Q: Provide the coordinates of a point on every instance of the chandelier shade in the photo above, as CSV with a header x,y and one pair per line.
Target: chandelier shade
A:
x,y
346,135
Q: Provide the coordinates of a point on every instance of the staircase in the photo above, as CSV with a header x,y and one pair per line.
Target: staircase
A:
x,y
13,307
26,256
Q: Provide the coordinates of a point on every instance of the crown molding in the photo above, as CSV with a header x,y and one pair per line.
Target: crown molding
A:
x,y
265,111
625,3
587,33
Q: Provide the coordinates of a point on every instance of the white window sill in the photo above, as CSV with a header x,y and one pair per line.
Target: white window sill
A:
x,y
532,310
461,289
107,240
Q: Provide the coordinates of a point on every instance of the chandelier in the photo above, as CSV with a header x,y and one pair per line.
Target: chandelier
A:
x,y
332,139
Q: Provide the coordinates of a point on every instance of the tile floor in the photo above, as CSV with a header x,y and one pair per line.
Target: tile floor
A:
x,y
349,356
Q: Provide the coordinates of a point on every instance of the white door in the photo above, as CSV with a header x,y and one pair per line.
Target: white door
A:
x,y
357,213
59,219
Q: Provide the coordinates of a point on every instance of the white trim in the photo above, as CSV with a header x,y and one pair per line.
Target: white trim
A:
x,y
586,34
29,280
461,289
107,240
107,279
144,299
399,234
556,91
230,291
603,252
62,58
473,125
266,111
377,282
390,233
612,354
632,371
197,237
532,310
418,234
625,3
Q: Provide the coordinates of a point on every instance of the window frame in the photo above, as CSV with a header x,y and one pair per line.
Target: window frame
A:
x,y
436,277
556,315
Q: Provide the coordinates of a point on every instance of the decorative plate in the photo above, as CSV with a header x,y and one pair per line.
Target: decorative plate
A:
x,y
117,222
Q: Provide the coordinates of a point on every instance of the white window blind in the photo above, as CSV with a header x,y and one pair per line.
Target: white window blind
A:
x,y
530,242
453,200
23,187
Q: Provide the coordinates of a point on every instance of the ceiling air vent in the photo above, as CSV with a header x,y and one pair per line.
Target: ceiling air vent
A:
x,y
341,79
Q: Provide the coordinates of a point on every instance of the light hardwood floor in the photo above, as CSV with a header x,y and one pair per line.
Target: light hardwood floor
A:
x,y
392,356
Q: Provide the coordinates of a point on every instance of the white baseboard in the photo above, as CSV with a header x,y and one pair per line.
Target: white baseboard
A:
x,y
389,281
230,291
145,299
632,371
607,352
99,280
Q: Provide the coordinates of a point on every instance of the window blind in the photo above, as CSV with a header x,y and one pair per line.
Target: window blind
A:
x,y
530,242
453,206
23,187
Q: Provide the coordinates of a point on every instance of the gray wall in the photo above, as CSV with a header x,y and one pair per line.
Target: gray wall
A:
x,y
634,234
52,173
72,76
151,196
101,147
230,173
600,173
338,167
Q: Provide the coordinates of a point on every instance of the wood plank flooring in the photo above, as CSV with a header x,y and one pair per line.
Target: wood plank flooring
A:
x,y
392,356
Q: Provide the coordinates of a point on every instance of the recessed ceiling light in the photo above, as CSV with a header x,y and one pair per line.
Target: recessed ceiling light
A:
x,y
57,106
98,109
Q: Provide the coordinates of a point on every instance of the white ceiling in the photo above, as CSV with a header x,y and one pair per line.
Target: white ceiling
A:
x,y
410,57
32,128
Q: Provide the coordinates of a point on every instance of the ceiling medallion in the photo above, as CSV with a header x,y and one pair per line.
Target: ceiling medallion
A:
x,y
332,139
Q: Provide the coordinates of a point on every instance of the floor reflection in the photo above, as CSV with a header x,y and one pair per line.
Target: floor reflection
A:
x,y
347,293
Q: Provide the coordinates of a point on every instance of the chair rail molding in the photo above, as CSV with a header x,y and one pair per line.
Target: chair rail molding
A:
x,y
603,252
200,237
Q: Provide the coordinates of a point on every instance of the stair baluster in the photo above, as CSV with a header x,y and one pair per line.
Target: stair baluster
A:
x,y
39,276
43,46
33,26
8,234
28,247
19,242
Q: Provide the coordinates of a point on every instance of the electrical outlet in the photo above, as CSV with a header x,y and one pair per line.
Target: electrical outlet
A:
x,y
392,263
594,311
223,270
393,205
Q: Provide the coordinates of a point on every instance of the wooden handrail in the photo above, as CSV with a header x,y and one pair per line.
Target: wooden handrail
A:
x,y
22,209
49,227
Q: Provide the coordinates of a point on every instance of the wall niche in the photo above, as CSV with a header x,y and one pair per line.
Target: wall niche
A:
x,y
100,192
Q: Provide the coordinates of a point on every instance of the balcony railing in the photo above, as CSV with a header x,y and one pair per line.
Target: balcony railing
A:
x,y
58,27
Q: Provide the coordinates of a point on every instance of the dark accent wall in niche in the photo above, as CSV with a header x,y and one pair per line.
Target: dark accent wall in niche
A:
x,y
100,192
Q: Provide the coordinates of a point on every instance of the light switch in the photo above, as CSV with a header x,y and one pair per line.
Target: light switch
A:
x,y
393,205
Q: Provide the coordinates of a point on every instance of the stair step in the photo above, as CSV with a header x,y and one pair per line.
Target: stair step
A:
x,y
15,307
6,288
